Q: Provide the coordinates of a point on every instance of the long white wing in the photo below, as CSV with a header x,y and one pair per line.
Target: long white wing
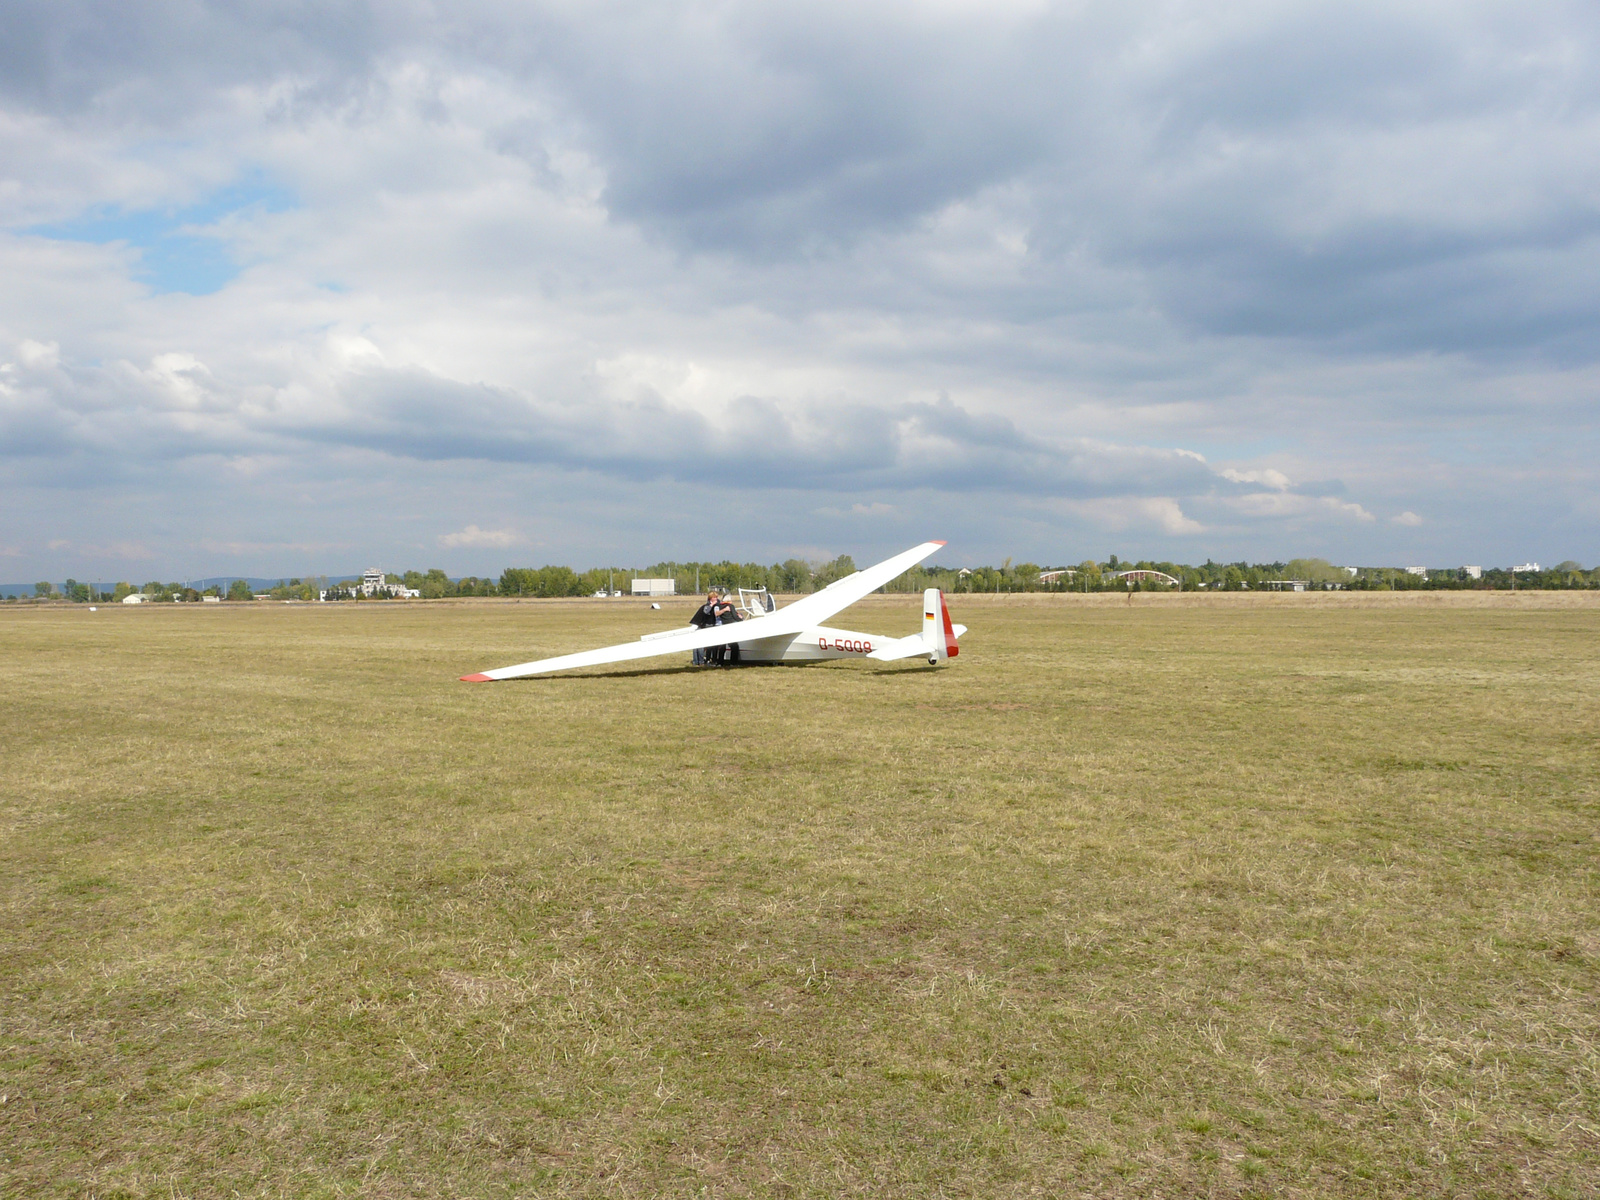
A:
x,y
802,614
819,606
679,643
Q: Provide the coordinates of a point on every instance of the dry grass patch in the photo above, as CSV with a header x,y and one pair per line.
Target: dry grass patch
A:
x,y
1258,895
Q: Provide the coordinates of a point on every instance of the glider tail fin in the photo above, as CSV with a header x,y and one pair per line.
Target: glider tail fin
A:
x,y
938,635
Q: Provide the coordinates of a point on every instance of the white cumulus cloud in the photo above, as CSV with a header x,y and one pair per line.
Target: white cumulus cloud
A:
x,y
472,536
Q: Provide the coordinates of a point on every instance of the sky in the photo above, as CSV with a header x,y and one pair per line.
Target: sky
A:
x,y
302,287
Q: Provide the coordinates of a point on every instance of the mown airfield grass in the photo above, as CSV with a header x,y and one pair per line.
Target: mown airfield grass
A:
x,y
1228,895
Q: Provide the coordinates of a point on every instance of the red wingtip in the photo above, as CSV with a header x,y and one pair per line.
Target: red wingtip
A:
x,y
476,679
938,543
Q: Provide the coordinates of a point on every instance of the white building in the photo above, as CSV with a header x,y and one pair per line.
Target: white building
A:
x,y
655,587
133,598
1527,568
1422,571
1472,572
373,584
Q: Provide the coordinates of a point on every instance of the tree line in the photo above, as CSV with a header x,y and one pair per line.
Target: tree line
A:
x,y
795,576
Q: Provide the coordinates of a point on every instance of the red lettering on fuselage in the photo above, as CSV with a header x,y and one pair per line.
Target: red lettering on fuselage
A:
x,y
844,646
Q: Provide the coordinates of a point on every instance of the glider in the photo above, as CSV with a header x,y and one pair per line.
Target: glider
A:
x,y
794,634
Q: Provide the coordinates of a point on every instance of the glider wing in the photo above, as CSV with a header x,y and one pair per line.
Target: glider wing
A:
x,y
788,621
841,594
649,647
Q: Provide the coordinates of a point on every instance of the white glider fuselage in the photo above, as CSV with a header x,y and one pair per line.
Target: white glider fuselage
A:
x,y
817,644
786,635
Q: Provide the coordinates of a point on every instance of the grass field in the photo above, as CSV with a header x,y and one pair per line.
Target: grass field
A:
x,y
1190,896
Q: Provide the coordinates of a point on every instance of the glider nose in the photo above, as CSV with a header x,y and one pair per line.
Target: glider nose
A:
x,y
476,679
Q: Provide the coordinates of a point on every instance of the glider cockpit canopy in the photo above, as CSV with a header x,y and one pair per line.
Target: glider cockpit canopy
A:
x,y
755,602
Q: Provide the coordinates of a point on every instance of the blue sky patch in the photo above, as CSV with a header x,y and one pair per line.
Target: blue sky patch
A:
x,y
179,252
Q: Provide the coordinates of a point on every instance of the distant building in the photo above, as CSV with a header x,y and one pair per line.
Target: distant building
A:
x,y
134,598
1147,576
655,587
1527,568
374,584
1472,572
1422,571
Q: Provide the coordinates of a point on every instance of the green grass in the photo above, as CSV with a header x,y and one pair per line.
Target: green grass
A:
x,y
1226,896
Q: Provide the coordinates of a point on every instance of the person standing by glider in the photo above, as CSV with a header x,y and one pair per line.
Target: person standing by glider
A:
x,y
704,617
727,614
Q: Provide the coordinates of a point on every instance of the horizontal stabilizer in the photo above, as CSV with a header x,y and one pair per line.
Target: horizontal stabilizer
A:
x,y
911,647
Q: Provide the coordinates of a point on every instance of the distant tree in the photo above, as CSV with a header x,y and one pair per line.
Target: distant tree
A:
x,y
240,590
795,576
545,581
834,571
434,585
121,590
44,589
1316,570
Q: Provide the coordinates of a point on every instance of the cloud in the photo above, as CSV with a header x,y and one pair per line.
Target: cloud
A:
x,y
1267,477
1290,504
475,537
1136,514
1036,265
1409,519
38,356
